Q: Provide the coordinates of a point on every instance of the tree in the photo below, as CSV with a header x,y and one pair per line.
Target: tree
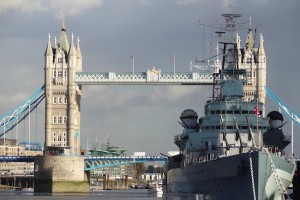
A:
x,y
150,169
139,168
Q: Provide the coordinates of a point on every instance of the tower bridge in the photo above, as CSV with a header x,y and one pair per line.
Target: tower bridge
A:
x,y
61,166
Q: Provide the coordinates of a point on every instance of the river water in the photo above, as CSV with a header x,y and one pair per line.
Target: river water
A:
x,y
140,194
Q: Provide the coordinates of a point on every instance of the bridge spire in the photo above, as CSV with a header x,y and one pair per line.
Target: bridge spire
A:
x,y
72,49
49,47
63,39
250,40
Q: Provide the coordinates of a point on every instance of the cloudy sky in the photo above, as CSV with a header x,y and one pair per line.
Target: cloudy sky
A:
x,y
138,118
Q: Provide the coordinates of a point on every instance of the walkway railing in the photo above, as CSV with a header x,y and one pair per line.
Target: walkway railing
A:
x,y
143,78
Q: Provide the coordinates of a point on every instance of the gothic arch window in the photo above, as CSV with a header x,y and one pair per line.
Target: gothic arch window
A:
x,y
54,121
59,120
59,58
60,74
65,100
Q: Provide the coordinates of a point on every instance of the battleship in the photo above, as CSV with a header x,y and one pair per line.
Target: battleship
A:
x,y
236,150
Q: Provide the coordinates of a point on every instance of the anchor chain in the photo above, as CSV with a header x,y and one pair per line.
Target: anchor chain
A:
x,y
279,183
252,176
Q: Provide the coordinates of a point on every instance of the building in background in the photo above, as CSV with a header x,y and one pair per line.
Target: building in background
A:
x,y
12,147
109,177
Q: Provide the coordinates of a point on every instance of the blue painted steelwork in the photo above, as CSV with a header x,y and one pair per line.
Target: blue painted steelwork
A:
x,y
92,163
292,114
13,115
16,158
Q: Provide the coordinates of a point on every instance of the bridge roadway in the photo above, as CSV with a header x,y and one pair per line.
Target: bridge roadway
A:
x,y
92,163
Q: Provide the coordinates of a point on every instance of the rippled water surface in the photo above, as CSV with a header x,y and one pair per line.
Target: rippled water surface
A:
x,y
101,195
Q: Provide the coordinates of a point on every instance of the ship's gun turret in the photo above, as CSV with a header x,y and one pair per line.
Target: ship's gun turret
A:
x,y
274,137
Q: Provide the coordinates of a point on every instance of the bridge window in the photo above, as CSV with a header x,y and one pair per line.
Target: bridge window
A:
x,y
59,100
65,100
54,100
65,73
54,120
60,60
65,121
54,73
59,74
59,120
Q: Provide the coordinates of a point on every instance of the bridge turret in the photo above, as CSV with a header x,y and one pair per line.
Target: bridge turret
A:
x,y
79,56
74,96
49,51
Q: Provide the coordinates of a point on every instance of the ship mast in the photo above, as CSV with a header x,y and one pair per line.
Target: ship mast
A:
x,y
229,66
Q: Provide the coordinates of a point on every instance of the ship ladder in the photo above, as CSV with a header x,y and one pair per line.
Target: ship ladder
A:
x,y
252,176
279,183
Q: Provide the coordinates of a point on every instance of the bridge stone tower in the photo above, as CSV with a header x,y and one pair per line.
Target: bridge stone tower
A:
x,y
254,61
61,168
62,120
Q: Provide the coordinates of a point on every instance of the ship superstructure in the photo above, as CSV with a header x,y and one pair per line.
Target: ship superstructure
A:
x,y
233,151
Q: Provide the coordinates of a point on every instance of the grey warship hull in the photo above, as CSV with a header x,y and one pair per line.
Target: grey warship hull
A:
x,y
234,151
233,177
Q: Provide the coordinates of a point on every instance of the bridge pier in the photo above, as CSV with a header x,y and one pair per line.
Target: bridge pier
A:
x,y
57,174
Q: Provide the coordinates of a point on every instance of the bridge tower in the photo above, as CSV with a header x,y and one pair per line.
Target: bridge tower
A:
x,y
61,168
62,101
254,61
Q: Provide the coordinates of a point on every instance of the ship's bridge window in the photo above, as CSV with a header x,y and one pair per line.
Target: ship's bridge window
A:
x,y
229,127
236,112
218,127
244,127
229,111
212,112
244,111
218,112
259,127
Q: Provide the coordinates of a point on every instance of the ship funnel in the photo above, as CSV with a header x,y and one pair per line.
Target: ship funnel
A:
x,y
189,119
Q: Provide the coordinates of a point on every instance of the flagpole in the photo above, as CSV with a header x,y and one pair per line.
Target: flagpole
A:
x,y
174,58
174,61
292,139
257,113
133,63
